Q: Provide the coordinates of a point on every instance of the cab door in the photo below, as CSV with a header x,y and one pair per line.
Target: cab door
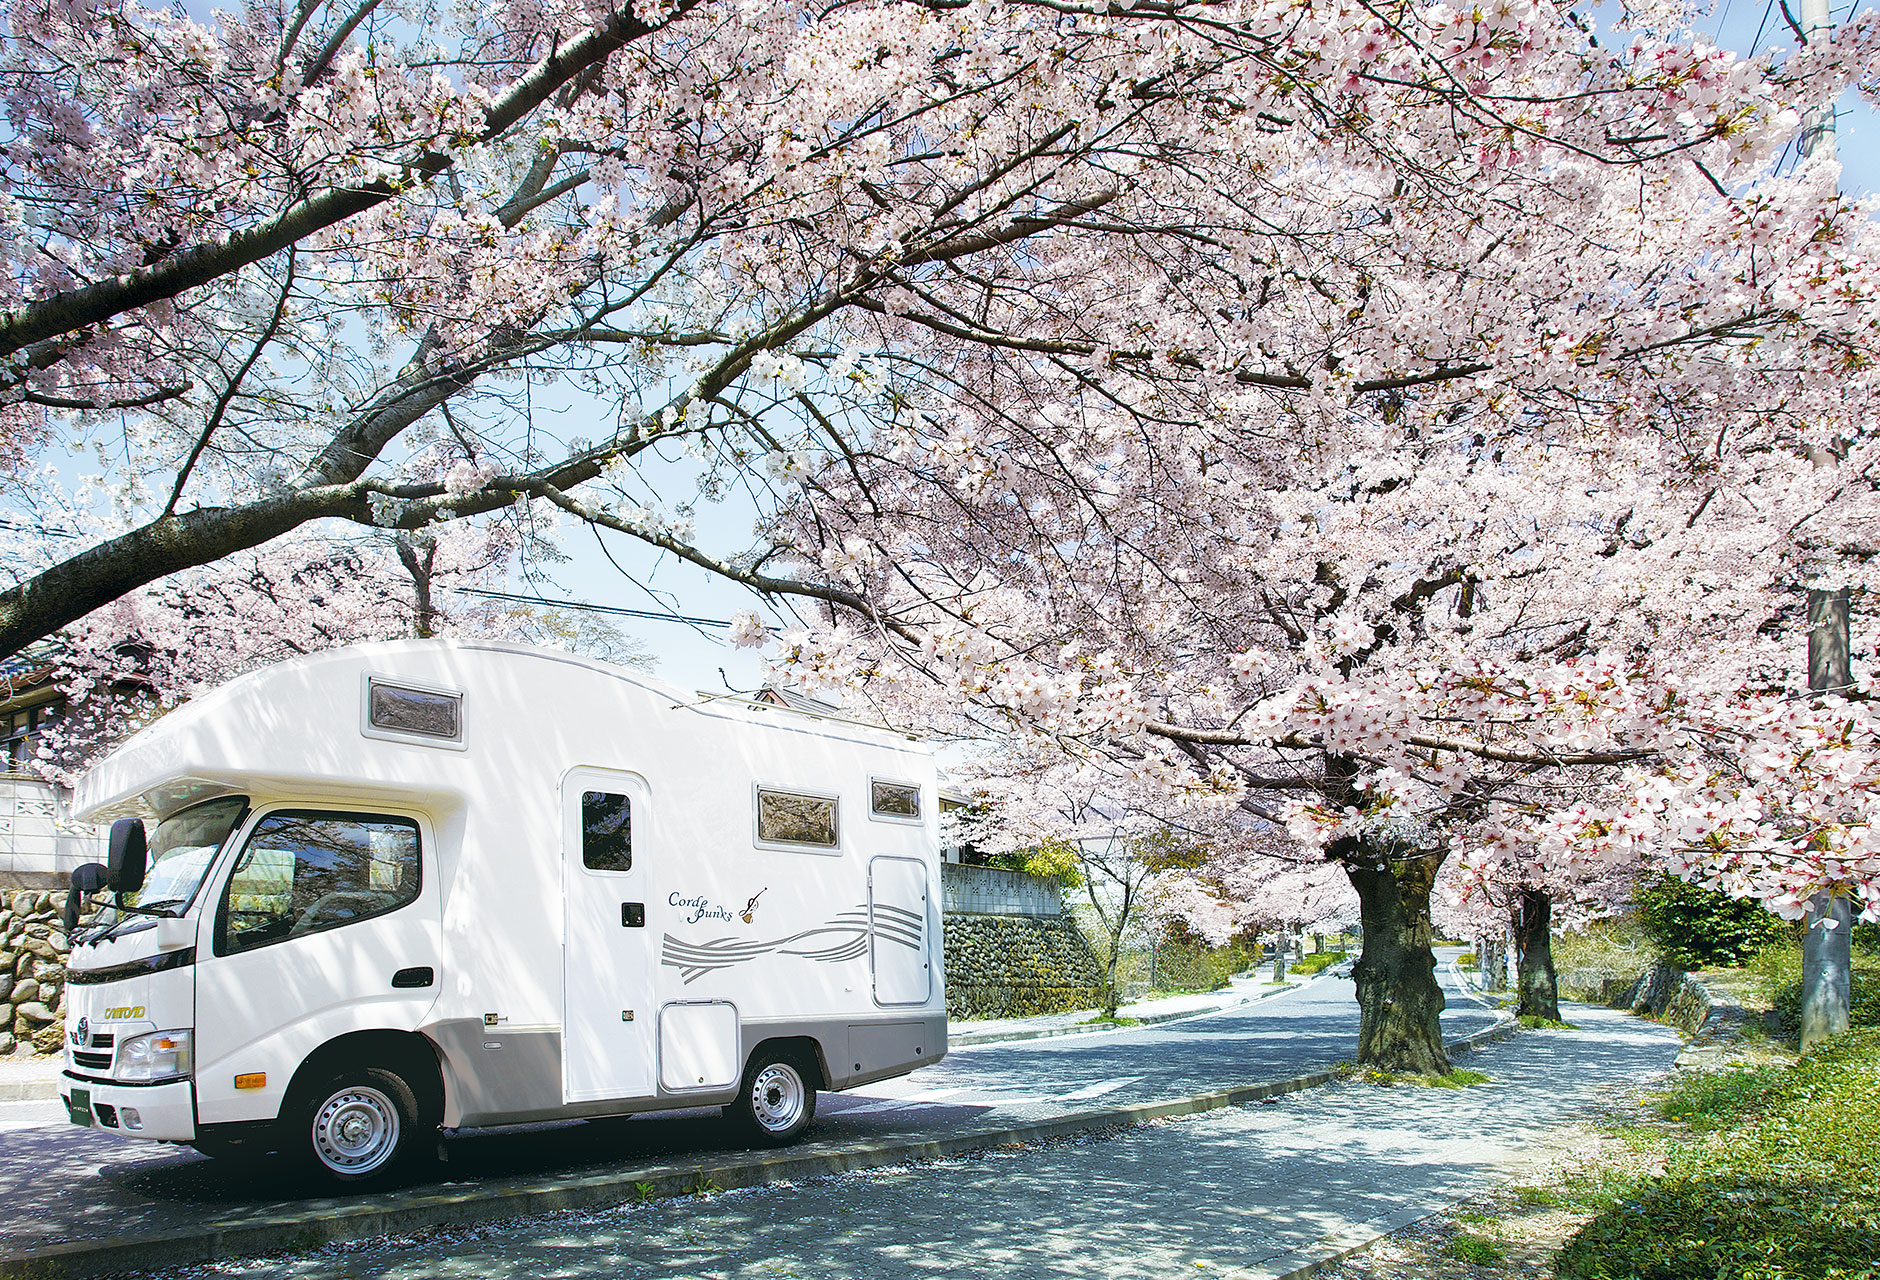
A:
x,y
609,1022
327,921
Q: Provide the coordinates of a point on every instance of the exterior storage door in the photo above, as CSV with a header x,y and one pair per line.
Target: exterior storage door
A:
x,y
609,1021
897,930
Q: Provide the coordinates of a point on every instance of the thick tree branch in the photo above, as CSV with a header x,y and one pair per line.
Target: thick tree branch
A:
x,y
71,310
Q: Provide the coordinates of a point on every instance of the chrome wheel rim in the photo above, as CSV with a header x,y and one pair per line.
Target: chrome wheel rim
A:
x,y
356,1130
777,1096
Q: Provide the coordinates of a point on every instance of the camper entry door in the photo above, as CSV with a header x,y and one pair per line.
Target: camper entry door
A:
x,y
608,1017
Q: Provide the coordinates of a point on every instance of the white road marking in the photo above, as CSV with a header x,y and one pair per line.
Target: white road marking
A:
x,y
1098,1089
901,1104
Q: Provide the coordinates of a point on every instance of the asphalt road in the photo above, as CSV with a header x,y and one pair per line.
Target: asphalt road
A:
x,y
1254,1192
59,1183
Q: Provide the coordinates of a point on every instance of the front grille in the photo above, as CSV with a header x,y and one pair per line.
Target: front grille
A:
x,y
107,1114
102,1039
91,1061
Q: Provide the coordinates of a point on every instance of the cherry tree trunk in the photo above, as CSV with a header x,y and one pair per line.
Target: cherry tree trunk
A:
x,y
1535,982
1400,1002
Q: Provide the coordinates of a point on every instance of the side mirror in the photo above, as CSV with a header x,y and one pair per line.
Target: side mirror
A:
x,y
86,880
128,853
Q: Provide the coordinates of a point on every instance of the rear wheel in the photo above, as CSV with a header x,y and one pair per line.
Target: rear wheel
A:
x,y
777,1099
359,1126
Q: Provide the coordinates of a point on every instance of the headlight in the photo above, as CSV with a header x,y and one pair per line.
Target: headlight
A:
x,y
161,1055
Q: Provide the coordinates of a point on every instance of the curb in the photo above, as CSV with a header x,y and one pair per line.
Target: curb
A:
x,y
32,1089
326,1221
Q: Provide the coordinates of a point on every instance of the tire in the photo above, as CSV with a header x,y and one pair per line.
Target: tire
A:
x,y
358,1128
777,1099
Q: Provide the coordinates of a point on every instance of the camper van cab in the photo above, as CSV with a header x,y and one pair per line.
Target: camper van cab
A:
x,y
361,896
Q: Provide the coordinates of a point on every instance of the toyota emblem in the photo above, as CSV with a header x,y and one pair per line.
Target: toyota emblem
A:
x,y
81,1031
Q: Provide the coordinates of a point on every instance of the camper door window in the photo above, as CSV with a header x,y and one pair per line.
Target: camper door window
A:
x,y
606,831
305,871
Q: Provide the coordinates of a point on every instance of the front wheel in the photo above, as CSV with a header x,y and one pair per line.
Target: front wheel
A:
x,y
358,1126
777,1099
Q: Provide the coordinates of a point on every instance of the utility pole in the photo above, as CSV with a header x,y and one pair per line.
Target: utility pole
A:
x,y
1827,959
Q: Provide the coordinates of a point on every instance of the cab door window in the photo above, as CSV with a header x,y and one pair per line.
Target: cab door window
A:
x,y
305,871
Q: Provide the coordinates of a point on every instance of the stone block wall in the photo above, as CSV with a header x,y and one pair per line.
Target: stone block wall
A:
x,y
32,973
1005,966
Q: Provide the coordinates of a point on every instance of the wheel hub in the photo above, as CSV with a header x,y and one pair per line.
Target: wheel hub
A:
x,y
777,1097
356,1130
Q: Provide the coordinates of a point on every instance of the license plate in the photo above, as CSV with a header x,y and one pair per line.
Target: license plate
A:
x,y
78,1107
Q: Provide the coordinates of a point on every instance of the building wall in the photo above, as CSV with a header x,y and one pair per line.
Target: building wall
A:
x,y
990,891
39,843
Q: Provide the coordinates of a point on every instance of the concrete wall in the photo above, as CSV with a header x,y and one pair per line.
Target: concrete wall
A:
x,y
990,891
39,843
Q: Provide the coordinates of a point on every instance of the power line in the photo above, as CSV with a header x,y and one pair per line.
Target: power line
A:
x,y
50,531
583,606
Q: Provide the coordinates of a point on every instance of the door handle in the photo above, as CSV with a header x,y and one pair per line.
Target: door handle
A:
x,y
422,976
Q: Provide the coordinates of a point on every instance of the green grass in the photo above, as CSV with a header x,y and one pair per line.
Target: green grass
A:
x,y
1455,1079
1706,1101
1779,973
1105,1020
1311,964
1770,1174
1534,1022
1477,1249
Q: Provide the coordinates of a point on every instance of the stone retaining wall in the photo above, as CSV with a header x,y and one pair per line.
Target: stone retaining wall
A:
x,y
1002,966
32,973
1666,993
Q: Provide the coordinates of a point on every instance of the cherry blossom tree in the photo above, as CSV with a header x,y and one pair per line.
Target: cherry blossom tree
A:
x,y
1370,519
1326,412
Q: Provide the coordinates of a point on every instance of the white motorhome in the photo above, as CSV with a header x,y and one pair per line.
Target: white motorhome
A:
x,y
432,884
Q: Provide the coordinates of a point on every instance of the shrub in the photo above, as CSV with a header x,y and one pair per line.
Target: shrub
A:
x,y
1699,928
1780,1182
1319,960
1476,1249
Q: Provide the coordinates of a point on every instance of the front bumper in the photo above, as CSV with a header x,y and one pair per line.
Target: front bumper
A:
x,y
160,1112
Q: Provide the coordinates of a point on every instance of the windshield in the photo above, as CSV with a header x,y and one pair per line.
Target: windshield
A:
x,y
181,849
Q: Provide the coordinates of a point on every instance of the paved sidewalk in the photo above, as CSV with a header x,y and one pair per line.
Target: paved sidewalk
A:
x,y
1269,1191
29,1079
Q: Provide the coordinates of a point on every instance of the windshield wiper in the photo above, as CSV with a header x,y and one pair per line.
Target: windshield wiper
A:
x,y
162,909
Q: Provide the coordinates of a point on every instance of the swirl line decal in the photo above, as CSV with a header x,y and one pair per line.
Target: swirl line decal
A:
x,y
843,938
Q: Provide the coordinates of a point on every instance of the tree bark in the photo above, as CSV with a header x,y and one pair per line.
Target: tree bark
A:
x,y
1536,982
1280,946
1400,1002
